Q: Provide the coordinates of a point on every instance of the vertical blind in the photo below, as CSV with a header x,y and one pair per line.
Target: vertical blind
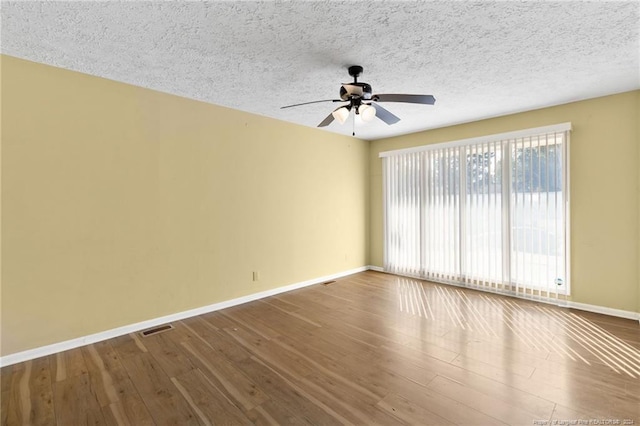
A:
x,y
488,213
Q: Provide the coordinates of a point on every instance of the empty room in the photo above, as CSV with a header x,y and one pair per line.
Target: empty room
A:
x,y
320,213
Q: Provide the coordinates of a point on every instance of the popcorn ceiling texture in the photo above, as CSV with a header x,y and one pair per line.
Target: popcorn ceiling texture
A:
x,y
479,59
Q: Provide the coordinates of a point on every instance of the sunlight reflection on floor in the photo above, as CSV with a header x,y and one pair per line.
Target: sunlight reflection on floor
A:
x,y
535,325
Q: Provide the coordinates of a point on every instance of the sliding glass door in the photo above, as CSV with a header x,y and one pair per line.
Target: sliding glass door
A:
x,y
488,213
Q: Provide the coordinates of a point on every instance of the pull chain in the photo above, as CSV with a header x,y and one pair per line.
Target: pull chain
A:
x,y
354,125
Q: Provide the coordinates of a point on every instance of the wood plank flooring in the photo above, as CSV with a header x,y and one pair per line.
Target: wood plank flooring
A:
x,y
369,349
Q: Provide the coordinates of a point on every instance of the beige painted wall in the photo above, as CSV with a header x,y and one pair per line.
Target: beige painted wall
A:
x,y
122,204
637,118
605,200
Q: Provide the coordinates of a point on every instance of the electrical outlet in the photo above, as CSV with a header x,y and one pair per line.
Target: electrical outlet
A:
x,y
256,276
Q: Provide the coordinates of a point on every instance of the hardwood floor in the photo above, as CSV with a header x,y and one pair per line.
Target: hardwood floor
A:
x,y
367,349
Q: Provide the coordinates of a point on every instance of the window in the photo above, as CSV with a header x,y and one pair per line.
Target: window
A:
x,y
487,212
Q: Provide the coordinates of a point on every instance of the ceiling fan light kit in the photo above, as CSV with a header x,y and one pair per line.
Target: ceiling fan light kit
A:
x,y
367,112
341,114
360,98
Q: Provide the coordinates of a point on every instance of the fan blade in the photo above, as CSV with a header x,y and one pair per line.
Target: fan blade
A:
x,y
327,120
385,115
312,102
411,99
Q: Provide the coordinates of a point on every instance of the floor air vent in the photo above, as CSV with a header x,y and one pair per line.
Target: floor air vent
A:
x,y
156,330
328,282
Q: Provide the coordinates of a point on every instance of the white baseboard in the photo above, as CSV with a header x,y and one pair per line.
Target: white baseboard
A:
x,y
131,328
603,310
567,304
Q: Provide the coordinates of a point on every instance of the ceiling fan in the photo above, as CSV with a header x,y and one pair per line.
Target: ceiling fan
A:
x,y
359,97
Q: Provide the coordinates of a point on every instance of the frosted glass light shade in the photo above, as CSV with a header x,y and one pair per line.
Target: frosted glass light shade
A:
x,y
341,114
367,112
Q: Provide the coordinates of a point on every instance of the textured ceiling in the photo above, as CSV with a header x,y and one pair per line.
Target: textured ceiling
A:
x,y
479,59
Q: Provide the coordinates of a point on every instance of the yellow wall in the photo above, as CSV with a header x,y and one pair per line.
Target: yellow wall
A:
x,y
122,204
605,198
637,118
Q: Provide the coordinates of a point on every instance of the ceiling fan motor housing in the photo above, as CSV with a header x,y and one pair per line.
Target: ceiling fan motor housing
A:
x,y
350,91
